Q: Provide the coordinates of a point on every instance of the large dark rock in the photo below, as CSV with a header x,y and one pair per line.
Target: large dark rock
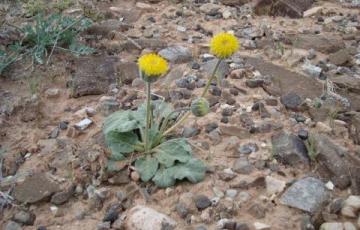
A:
x,y
321,43
283,8
93,75
291,101
35,188
331,159
308,194
284,81
289,149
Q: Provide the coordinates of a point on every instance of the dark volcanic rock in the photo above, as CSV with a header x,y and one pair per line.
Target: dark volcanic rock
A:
x,y
333,165
289,149
202,202
63,196
290,8
291,101
93,75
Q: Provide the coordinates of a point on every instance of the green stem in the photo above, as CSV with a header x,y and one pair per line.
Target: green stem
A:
x,y
211,79
187,114
148,114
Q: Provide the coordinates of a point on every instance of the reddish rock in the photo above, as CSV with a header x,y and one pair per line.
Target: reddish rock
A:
x,y
283,8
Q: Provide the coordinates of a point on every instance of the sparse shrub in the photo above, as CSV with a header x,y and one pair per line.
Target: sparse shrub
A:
x,y
311,147
61,5
34,7
43,36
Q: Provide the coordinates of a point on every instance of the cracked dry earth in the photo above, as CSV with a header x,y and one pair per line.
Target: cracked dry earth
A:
x,y
281,142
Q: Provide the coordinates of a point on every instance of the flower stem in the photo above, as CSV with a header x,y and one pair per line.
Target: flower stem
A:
x,y
187,114
211,79
148,115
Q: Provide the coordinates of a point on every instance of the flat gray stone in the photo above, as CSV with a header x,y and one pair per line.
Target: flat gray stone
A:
x,y
321,43
176,54
308,194
35,188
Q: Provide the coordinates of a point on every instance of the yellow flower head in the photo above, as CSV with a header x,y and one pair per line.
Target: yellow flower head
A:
x,y
152,65
223,45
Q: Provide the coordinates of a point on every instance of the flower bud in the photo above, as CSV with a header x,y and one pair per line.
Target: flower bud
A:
x,y
200,107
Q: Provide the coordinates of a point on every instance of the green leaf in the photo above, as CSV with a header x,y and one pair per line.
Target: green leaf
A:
x,y
140,115
121,143
84,24
79,49
147,167
116,156
162,109
193,170
173,150
163,179
121,121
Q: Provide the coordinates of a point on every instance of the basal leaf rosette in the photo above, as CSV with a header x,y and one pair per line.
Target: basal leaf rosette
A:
x,y
152,66
168,160
224,45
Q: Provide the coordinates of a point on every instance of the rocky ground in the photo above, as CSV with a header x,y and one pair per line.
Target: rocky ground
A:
x,y
281,142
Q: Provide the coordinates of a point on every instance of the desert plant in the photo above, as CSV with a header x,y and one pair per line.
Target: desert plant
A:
x,y
42,37
34,7
311,147
143,134
61,5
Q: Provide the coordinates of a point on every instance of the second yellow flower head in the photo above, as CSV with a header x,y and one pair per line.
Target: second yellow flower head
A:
x,y
223,45
152,65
